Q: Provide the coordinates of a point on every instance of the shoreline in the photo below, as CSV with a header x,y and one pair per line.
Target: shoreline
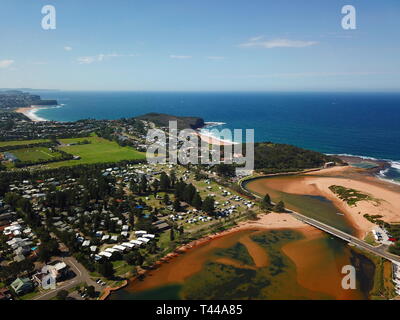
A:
x,y
210,139
30,112
318,182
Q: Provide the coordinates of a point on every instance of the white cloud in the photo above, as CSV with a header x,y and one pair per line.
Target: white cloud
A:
x,y
172,56
68,48
215,58
5,63
276,43
256,38
101,57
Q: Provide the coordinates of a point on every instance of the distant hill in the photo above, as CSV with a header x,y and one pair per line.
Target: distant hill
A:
x,y
271,157
12,99
162,120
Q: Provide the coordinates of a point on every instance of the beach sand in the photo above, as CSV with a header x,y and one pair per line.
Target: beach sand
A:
x,y
214,140
30,113
318,183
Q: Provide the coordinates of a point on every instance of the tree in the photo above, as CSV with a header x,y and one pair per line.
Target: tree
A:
x,y
279,207
225,170
91,292
208,205
266,202
130,258
197,202
152,247
188,193
395,248
177,205
62,295
143,185
48,249
12,198
250,214
172,178
106,269
172,234
133,258
166,199
165,182
156,186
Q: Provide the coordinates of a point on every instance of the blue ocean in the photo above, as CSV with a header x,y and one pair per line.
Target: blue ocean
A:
x,y
362,124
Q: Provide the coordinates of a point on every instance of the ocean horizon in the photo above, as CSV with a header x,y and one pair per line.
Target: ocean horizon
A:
x,y
359,124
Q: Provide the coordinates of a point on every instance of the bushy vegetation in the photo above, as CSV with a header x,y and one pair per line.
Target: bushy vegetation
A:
x,y
162,120
273,158
350,196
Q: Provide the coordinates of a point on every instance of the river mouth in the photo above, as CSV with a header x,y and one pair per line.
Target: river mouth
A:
x,y
258,265
312,203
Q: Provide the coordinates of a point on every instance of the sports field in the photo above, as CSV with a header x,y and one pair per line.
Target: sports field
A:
x,y
35,154
99,150
22,142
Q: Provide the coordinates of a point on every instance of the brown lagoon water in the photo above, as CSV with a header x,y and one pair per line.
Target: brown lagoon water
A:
x,y
313,206
257,264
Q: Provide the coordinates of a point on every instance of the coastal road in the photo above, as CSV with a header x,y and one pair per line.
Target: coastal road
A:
x,y
379,250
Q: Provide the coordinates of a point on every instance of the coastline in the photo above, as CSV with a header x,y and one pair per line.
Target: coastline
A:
x,y
30,112
210,139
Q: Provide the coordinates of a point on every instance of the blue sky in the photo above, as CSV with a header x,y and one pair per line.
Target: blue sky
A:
x,y
188,45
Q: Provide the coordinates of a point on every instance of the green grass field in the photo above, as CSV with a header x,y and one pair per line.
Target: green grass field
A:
x,y
22,142
35,154
98,151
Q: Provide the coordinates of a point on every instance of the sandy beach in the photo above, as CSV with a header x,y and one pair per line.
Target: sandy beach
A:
x,y
30,112
318,183
214,140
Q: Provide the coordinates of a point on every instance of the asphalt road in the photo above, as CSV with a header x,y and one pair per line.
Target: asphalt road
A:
x,y
379,250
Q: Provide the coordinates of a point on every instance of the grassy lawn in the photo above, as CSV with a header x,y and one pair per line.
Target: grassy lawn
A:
x,y
121,268
35,154
22,142
99,150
